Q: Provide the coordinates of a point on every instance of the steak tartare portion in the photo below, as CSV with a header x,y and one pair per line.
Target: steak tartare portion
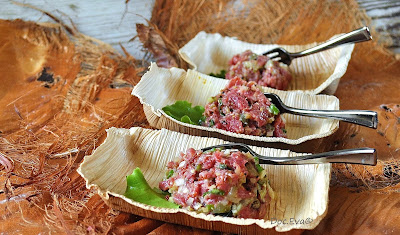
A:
x,y
221,182
260,69
242,108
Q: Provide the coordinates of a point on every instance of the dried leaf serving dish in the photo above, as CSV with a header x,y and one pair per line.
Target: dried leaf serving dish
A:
x,y
160,87
300,191
314,74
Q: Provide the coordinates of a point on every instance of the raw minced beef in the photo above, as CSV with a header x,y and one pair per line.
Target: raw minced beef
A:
x,y
218,182
242,108
260,69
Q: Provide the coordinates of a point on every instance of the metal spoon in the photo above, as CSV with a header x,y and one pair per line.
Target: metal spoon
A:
x,y
363,156
358,35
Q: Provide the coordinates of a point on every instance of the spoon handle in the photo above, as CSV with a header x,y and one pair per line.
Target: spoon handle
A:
x,y
364,156
361,117
358,35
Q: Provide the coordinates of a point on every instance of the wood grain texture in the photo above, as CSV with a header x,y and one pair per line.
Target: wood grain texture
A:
x,y
385,16
112,22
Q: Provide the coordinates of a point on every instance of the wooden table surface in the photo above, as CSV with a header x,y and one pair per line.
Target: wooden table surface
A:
x,y
114,22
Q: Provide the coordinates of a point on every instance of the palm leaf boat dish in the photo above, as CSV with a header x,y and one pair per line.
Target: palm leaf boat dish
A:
x,y
300,192
313,74
160,87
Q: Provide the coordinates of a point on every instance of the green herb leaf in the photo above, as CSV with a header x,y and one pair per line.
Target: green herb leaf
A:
x,y
212,123
210,99
183,111
259,168
221,74
253,56
273,109
221,209
215,192
243,119
139,190
170,173
210,207
198,167
211,150
220,102
222,166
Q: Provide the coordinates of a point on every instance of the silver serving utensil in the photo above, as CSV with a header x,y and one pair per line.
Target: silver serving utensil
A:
x,y
360,117
358,35
363,156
